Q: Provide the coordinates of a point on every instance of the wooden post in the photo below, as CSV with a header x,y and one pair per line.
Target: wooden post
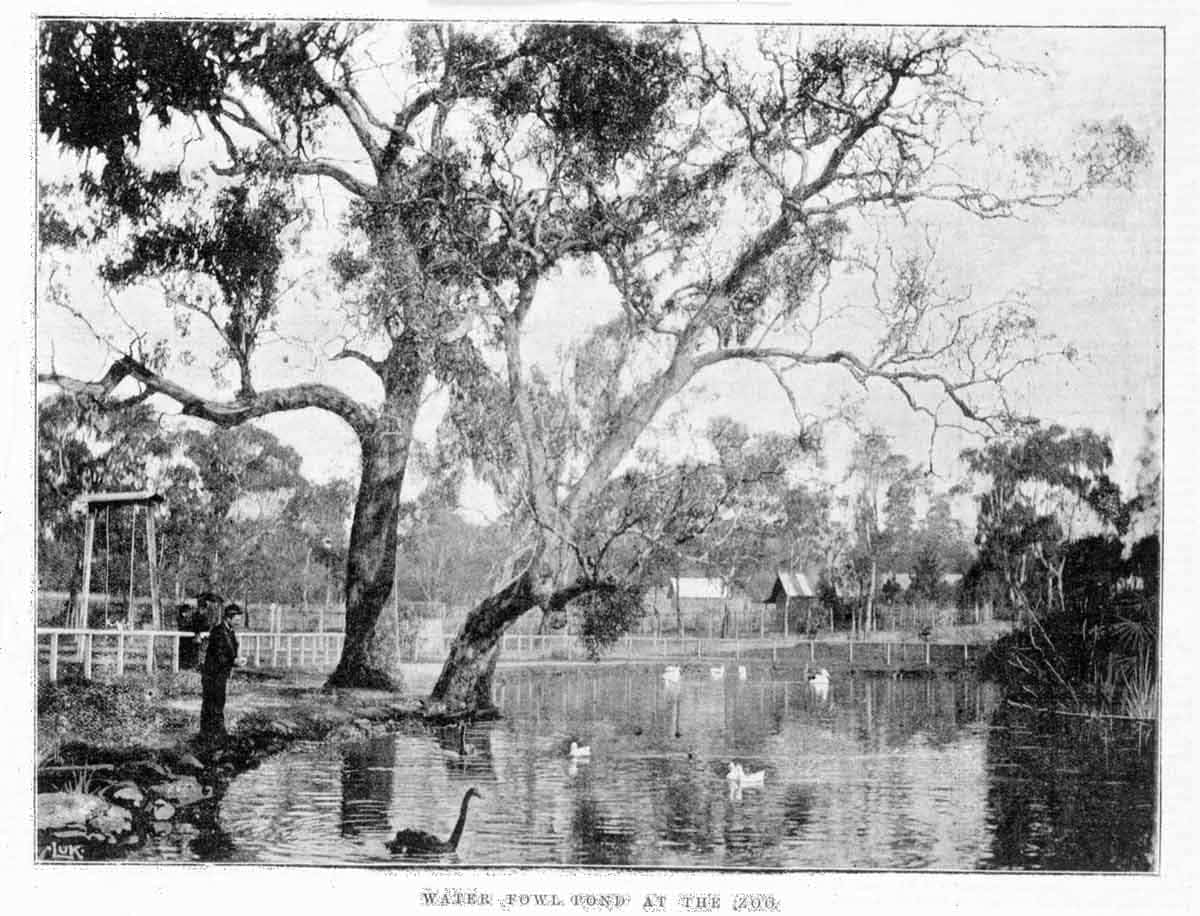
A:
x,y
888,654
257,650
152,567
851,644
86,642
150,648
291,644
175,653
927,653
89,537
53,657
275,650
812,651
787,606
120,652
966,658
130,614
762,622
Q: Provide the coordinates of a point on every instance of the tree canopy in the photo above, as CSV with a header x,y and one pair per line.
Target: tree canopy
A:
x,y
723,185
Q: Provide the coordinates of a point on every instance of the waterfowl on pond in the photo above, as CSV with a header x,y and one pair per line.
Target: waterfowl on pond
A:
x,y
741,672
717,673
820,679
671,673
741,778
576,751
418,842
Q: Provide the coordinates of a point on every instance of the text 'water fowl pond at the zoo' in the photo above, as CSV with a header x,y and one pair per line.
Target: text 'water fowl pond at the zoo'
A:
x,y
925,773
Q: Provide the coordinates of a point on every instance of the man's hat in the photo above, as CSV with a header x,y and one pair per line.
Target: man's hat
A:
x,y
231,610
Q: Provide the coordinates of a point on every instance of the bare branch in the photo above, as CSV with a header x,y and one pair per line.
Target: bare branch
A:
x,y
222,413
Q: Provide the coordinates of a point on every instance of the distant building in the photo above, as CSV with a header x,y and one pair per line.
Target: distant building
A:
x,y
697,588
794,597
904,580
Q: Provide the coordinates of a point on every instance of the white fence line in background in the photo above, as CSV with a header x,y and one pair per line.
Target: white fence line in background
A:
x,y
567,647
115,649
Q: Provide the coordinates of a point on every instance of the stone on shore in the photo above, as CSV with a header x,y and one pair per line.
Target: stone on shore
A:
x,y
128,794
56,810
183,790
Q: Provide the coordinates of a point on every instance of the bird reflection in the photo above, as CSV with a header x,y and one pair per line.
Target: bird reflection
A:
x,y
467,750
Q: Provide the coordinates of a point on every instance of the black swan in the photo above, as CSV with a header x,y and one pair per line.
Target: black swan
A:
x,y
418,842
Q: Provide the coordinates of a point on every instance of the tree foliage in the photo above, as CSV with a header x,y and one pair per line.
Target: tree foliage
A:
x,y
1045,488
717,188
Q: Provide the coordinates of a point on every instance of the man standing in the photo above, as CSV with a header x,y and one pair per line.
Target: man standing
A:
x,y
220,658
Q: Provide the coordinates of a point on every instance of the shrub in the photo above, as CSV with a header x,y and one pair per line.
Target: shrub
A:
x,y
106,714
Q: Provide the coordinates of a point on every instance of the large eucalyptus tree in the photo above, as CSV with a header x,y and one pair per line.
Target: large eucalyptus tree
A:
x,y
714,177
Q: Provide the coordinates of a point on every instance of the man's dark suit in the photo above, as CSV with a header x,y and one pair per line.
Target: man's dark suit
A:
x,y
219,660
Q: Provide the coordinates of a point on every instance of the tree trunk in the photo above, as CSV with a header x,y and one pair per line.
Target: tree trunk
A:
x,y
869,623
304,581
371,555
465,684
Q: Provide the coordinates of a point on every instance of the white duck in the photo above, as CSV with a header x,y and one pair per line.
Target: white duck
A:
x,y
671,674
717,673
742,779
577,752
741,672
820,679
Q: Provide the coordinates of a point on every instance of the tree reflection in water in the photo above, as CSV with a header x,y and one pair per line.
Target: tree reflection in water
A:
x,y
598,840
797,810
1070,796
685,814
367,786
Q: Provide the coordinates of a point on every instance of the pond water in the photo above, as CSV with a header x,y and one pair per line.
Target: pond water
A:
x,y
878,773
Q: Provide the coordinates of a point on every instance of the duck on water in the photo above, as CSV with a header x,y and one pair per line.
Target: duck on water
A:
x,y
420,843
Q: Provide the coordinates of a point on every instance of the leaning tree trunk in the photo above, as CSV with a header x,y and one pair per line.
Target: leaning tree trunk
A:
x,y
465,684
371,555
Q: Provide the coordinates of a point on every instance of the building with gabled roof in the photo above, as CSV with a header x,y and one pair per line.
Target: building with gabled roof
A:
x,y
793,595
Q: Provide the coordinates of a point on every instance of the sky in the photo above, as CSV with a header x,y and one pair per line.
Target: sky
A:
x,y
1092,271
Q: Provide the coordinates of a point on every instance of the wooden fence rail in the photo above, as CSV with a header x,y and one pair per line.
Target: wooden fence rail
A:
x,y
121,651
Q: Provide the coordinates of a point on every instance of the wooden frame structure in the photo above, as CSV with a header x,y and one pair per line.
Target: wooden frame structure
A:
x,y
93,503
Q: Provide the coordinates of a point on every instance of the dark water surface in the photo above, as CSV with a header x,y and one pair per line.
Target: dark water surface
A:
x,y
881,773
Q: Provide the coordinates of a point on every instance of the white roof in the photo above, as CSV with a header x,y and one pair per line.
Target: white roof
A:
x,y
795,585
696,587
904,580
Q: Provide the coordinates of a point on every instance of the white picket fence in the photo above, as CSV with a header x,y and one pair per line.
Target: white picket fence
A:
x,y
117,652
120,651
